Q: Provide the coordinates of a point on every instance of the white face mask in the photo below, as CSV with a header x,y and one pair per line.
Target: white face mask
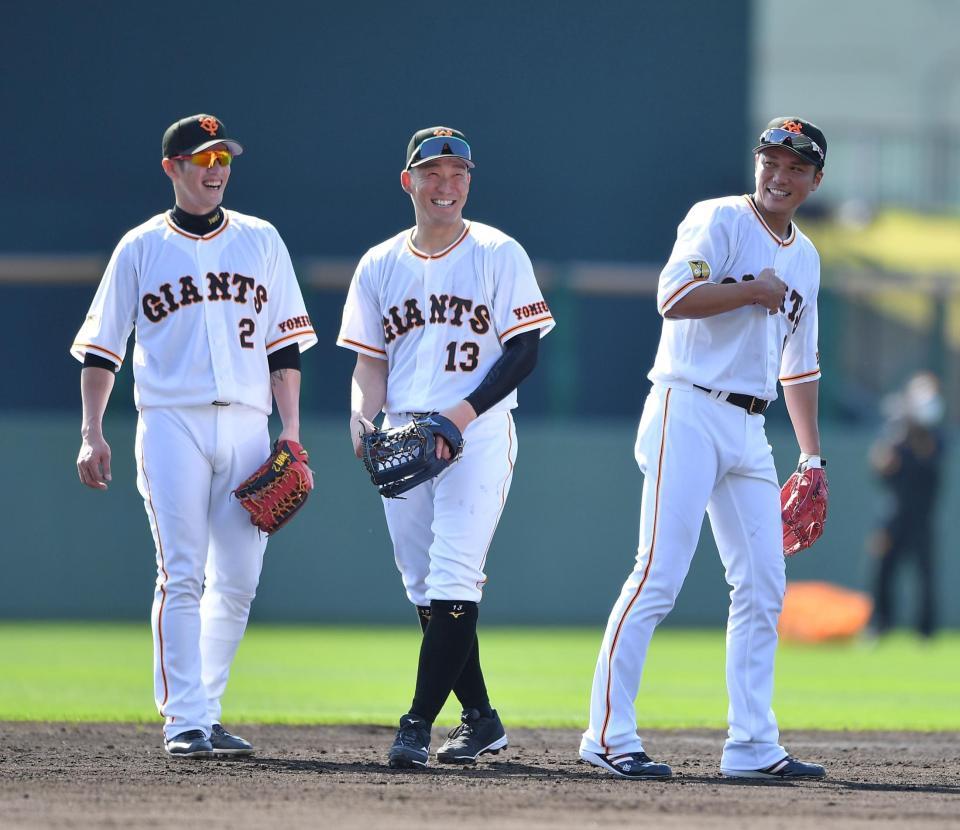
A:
x,y
922,401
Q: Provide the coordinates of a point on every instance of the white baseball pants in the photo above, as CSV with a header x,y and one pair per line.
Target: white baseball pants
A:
x,y
442,529
699,455
209,555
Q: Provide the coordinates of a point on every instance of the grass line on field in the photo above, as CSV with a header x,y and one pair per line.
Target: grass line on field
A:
x,y
537,677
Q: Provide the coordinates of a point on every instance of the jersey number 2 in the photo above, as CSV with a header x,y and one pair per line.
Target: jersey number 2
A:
x,y
471,357
247,327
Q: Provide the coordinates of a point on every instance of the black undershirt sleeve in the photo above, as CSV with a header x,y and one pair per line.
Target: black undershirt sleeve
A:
x,y
286,358
517,361
90,359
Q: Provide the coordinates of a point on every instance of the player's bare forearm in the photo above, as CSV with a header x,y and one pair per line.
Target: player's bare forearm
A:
x,y
93,460
711,299
368,393
368,388
802,401
96,384
285,385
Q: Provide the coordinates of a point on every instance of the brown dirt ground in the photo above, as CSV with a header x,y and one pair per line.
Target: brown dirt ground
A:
x,y
116,775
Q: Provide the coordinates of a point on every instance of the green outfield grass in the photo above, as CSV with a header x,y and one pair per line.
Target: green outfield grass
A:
x,y
538,677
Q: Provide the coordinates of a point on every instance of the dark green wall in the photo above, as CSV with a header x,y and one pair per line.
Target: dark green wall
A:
x,y
564,546
578,113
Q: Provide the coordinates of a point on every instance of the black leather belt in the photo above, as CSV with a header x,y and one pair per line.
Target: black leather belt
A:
x,y
755,406
221,403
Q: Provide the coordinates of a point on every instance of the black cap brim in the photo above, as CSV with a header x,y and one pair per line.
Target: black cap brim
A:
x,y
234,147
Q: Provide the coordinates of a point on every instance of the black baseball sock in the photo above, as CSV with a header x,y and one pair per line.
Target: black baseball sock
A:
x,y
470,688
447,643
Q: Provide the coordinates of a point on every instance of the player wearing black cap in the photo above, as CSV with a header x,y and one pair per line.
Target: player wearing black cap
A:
x,y
445,317
739,301
220,323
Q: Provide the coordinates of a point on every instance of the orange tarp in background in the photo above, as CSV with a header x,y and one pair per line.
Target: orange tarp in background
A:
x,y
817,611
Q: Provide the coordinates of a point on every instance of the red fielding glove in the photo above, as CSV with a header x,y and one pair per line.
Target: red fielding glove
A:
x,y
803,505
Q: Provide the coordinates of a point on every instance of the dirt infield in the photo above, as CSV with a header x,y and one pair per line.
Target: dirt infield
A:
x,y
115,775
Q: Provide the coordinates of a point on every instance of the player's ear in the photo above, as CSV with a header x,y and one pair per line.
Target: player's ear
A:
x,y
168,167
817,178
405,181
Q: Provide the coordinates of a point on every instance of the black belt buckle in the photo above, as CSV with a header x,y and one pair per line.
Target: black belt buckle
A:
x,y
754,406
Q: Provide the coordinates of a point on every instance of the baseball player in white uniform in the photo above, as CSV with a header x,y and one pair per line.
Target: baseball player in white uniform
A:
x,y
220,323
445,317
739,301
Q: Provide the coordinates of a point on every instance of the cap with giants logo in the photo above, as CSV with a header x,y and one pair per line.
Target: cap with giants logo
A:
x,y
195,134
800,137
434,142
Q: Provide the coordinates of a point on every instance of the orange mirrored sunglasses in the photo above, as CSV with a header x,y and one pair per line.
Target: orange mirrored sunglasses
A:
x,y
207,158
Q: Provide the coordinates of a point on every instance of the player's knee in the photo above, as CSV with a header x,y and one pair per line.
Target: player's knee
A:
x,y
182,586
231,604
236,591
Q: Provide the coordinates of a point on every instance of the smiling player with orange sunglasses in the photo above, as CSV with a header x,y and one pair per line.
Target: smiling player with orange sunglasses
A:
x,y
220,323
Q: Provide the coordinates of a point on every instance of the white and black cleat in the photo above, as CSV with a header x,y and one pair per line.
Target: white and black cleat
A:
x,y
786,769
637,766
190,744
225,744
475,736
411,746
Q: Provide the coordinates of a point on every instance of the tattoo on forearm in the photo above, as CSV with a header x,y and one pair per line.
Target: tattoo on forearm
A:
x,y
277,376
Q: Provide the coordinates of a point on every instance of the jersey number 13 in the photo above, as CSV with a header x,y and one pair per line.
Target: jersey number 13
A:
x,y
469,354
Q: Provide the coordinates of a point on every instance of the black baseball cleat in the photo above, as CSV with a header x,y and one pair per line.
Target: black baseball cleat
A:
x,y
411,747
635,765
475,736
226,744
786,769
190,744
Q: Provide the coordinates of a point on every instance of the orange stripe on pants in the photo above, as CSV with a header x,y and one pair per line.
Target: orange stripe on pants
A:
x,y
646,573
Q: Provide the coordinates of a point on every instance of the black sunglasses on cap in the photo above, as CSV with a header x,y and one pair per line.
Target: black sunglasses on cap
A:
x,y
441,146
798,141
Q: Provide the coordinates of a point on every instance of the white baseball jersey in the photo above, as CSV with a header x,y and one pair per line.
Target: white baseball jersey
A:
x,y
441,320
702,454
745,350
207,311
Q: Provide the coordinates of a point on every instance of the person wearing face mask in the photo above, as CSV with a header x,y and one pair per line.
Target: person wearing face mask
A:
x,y
908,461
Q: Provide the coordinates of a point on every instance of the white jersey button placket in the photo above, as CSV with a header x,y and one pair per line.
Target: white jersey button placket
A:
x,y
422,381
215,321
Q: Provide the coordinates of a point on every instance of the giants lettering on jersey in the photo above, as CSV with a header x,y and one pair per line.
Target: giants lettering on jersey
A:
x,y
794,298
219,286
443,309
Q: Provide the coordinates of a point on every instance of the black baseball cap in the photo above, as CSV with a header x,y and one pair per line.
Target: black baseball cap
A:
x,y
797,135
434,142
195,134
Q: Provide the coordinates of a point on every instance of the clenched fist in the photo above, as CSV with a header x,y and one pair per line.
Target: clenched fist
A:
x,y
770,290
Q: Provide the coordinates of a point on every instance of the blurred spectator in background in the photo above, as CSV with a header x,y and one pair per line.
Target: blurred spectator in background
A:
x,y
908,461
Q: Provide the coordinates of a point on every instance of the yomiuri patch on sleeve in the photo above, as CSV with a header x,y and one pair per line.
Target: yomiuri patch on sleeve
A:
x,y
700,269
